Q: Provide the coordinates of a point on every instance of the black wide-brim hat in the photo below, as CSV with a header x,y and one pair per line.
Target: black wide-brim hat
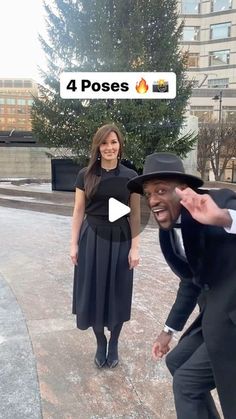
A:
x,y
163,166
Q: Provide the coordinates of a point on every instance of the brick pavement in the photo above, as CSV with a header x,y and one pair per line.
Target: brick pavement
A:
x,y
35,265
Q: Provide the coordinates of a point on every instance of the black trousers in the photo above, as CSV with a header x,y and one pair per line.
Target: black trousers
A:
x,y
193,378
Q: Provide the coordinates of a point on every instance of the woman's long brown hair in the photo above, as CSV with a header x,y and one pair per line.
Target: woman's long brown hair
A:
x,y
92,179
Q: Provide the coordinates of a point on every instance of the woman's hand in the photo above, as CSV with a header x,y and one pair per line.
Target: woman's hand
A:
x,y
133,258
74,253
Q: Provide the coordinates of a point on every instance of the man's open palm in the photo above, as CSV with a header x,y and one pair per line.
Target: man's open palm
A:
x,y
201,207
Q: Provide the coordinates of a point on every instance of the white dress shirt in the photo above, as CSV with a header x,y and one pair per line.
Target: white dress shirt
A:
x,y
232,229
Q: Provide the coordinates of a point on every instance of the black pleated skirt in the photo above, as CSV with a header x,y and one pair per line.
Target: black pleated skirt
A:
x,y
103,282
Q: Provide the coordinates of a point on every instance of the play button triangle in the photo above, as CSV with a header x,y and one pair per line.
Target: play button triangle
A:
x,y
116,210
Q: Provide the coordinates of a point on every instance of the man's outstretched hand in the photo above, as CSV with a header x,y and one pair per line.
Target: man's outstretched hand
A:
x,y
203,208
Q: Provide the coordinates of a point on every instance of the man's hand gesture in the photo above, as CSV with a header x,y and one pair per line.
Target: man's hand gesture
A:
x,y
203,208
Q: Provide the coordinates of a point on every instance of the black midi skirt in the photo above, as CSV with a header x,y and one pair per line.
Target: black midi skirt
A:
x,y
103,282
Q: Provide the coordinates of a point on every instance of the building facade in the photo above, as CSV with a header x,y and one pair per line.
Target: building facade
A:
x,y
16,99
209,36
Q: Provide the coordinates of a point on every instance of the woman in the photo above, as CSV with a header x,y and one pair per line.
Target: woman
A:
x,y
104,253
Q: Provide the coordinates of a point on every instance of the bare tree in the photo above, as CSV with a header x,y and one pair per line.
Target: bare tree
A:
x,y
205,139
217,145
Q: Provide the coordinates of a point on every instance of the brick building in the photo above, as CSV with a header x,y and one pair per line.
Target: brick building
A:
x,y
16,99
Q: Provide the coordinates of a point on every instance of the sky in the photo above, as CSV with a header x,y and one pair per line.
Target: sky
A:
x,y
20,50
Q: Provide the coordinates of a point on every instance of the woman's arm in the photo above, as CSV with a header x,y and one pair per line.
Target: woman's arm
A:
x,y
135,229
77,219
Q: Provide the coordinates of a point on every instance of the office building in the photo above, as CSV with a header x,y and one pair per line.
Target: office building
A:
x,y
209,36
16,99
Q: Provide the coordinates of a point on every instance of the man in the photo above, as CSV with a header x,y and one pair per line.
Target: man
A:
x,y
202,253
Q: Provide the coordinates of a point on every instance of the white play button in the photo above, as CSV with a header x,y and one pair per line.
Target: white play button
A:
x,y
116,210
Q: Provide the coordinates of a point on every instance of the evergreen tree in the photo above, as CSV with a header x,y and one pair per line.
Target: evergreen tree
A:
x,y
113,35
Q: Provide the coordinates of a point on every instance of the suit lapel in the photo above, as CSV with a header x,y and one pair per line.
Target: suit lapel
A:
x,y
194,243
176,262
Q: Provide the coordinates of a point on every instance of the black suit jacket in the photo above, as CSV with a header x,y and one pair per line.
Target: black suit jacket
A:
x,y
210,269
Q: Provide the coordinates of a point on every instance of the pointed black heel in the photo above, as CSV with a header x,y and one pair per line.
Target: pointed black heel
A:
x,y
99,360
100,356
112,357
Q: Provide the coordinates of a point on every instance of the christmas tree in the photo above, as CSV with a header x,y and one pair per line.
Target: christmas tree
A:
x,y
107,35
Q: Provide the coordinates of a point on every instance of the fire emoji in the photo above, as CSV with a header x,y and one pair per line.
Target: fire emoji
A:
x,y
142,86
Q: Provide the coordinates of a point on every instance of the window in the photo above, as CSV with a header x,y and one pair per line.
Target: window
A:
x,y
21,101
11,110
8,83
11,120
27,83
30,102
219,57
2,100
11,101
229,113
221,30
17,83
193,60
191,33
220,5
204,113
190,7
218,83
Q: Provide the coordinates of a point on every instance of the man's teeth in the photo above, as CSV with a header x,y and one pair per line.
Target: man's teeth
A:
x,y
158,210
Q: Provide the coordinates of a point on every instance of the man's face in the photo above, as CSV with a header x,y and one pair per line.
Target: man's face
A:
x,y
163,201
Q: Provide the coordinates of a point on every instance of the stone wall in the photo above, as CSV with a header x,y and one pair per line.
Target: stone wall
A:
x,y
25,162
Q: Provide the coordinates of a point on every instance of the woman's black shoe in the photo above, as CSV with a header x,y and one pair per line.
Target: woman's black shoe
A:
x,y
99,362
112,357
100,357
112,363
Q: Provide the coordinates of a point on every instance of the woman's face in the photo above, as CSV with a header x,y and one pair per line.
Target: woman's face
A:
x,y
110,147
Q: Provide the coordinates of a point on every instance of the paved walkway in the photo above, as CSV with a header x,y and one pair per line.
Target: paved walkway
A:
x,y
47,368
19,389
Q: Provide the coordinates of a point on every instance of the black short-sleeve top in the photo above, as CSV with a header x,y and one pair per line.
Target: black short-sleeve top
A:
x,y
112,185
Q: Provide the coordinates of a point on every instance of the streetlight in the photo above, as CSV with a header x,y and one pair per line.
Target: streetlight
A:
x,y
218,141
219,97
233,160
